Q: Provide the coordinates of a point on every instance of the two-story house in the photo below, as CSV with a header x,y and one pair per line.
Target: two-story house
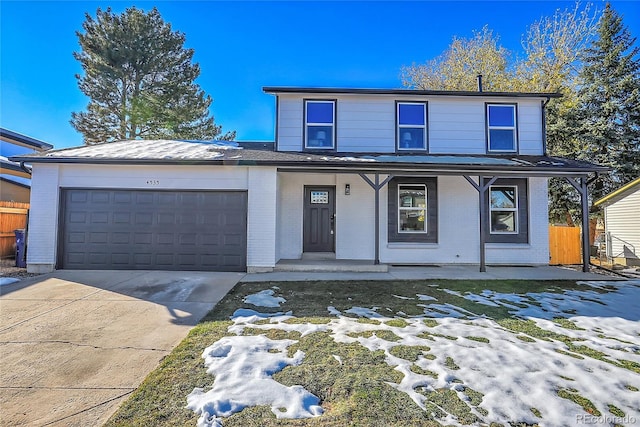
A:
x,y
386,176
15,181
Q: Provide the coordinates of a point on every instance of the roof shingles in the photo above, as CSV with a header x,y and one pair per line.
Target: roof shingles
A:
x,y
224,152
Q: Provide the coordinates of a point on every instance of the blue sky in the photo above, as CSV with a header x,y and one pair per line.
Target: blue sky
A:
x,y
242,46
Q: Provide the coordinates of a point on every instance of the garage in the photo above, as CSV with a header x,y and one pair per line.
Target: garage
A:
x,y
153,230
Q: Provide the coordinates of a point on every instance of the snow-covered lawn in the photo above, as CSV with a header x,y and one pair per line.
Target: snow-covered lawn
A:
x,y
559,358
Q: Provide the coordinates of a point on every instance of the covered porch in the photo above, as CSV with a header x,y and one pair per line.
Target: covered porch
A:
x,y
479,172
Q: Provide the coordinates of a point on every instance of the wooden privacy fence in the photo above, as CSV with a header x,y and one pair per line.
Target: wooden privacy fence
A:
x,y
13,215
564,245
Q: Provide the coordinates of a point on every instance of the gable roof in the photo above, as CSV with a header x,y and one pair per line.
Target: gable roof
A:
x,y
23,140
404,92
230,153
619,194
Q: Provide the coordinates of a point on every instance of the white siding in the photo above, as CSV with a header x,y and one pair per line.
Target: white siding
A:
x,y
530,126
367,123
49,179
289,123
456,126
621,220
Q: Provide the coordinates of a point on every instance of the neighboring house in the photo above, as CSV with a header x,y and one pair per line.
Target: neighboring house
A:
x,y
387,176
14,177
621,224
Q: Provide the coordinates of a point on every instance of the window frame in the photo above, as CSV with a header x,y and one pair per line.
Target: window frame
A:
x,y
424,127
306,125
394,235
515,210
523,212
489,128
422,209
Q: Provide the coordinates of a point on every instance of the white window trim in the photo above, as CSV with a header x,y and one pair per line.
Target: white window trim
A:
x,y
514,209
513,128
424,209
399,127
332,124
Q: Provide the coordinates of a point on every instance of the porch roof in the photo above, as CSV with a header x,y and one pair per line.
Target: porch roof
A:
x,y
231,153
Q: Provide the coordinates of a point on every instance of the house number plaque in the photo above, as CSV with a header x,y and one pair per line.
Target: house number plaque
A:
x,y
319,197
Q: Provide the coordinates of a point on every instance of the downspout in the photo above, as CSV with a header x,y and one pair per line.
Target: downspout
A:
x,y
24,168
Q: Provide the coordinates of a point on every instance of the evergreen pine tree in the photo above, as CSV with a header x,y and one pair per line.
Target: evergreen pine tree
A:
x,y
608,105
139,78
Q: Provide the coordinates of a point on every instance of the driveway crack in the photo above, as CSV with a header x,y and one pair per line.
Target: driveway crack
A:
x,y
86,345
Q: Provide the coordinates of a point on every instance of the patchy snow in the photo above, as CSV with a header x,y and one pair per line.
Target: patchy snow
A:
x,y
8,280
464,351
364,312
422,297
242,367
264,299
149,149
246,312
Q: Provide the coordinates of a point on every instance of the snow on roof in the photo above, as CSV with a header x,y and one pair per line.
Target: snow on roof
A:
x,y
149,149
228,152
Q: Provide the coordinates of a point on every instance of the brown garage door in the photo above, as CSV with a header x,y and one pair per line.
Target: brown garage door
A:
x,y
153,230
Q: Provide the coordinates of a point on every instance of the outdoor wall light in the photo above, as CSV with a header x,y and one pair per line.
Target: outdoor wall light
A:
x,y
347,189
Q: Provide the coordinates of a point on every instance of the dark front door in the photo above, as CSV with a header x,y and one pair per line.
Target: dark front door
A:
x,y
319,219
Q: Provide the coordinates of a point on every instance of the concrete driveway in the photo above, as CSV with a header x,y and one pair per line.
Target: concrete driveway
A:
x,y
75,344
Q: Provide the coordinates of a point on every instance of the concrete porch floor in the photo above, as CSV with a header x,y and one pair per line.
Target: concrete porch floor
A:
x,y
325,269
329,265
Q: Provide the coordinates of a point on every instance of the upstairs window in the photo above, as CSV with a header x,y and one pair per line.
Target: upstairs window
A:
x,y
319,124
501,128
503,205
411,131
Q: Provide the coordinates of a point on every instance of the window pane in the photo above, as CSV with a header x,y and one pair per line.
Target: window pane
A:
x,y
501,115
411,138
320,136
411,114
412,220
411,197
503,197
319,112
501,140
503,222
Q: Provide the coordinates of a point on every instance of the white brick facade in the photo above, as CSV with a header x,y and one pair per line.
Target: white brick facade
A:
x,y
458,223
49,179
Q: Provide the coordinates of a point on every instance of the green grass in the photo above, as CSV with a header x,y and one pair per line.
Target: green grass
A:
x,y
478,339
410,353
567,324
397,323
449,363
616,411
357,390
585,403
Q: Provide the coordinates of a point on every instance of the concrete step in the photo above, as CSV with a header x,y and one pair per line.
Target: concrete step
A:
x,y
332,265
